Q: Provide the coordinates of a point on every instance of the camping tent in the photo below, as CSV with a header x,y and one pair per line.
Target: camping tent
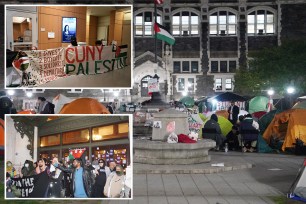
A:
x,y
225,124
300,105
266,119
288,125
222,113
187,101
258,103
84,106
59,101
298,188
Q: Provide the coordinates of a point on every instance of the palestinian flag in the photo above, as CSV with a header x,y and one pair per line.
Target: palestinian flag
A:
x,y
163,34
122,51
158,1
21,62
76,153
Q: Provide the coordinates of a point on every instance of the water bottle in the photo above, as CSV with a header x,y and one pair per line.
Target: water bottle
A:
x,y
226,147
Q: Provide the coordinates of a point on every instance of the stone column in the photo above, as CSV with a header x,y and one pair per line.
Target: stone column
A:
x,y
35,144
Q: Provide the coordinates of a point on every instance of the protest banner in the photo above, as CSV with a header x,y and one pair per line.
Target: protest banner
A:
x,y
32,186
153,85
195,123
42,66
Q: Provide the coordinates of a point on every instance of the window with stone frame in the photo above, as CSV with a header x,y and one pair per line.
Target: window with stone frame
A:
x,y
223,65
144,23
261,22
228,84
186,84
185,23
218,84
176,67
186,66
222,23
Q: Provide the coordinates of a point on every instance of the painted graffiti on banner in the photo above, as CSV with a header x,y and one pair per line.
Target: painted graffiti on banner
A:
x,y
153,85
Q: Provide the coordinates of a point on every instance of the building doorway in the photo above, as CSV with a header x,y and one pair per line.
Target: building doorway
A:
x,y
144,85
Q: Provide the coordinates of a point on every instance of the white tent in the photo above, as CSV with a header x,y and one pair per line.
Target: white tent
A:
x,y
298,188
13,76
59,101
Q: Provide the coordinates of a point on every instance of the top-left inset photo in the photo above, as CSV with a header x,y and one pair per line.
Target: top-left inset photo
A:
x,y
64,46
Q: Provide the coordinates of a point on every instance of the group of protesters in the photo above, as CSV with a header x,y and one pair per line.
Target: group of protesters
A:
x,y
77,178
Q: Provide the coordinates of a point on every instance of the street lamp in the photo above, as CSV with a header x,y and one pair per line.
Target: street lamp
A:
x,y
10,92
270,92
184,93
290,90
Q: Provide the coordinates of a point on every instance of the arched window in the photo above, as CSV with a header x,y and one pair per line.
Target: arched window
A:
x,y
222,23
185,23
144,23
261,22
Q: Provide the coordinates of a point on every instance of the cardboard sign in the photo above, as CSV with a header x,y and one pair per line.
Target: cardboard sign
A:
x,y
153,85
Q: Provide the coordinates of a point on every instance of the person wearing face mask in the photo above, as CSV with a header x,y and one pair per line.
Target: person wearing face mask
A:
x,y
27,169
101,175
114,186
112,166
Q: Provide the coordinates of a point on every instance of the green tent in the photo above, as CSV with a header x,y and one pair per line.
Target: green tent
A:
x,y
266,119
262,145
258,103
187,101
225,124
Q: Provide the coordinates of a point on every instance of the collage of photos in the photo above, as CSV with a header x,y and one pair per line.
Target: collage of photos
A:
x,y
153,101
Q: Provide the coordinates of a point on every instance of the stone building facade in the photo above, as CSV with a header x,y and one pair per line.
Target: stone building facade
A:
x,y
213,39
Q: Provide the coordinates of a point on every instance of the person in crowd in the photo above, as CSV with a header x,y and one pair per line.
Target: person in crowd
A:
x,y
114,187
233,112
112,166
27,169
10,169
6,105
82,178
248,124
35,165
73,42
101,175
232,139
128,182
44,106
98,43
212,124
110,108
42,166
56,189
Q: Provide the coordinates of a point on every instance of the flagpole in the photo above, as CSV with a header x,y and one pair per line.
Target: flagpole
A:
x,y
155,16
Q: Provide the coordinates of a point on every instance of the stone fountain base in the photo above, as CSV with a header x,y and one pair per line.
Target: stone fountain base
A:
x,y
162,153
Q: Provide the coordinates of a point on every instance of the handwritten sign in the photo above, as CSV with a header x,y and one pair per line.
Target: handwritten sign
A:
x,y
153,85
195,125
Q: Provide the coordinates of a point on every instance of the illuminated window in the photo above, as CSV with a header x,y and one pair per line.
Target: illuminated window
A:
x,y
261,22
144,23
228,84
185,23
123,128
218,83
78,136
50,140
222,23
100,133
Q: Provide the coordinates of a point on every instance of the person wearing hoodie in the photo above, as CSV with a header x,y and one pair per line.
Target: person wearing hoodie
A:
x,y
212,124
101,175
27,169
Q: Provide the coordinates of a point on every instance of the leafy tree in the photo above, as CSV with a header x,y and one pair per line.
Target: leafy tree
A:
x,y
276,67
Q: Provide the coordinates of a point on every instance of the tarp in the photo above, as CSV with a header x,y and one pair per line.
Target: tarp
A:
x,y
298,188
228,96
288,125
300,105
84,106
187,101
258,103
59,101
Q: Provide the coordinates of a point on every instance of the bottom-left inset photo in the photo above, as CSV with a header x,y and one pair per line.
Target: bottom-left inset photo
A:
x,y
68,157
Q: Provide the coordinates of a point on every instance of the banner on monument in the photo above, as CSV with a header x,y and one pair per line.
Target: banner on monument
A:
x,y
153,85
